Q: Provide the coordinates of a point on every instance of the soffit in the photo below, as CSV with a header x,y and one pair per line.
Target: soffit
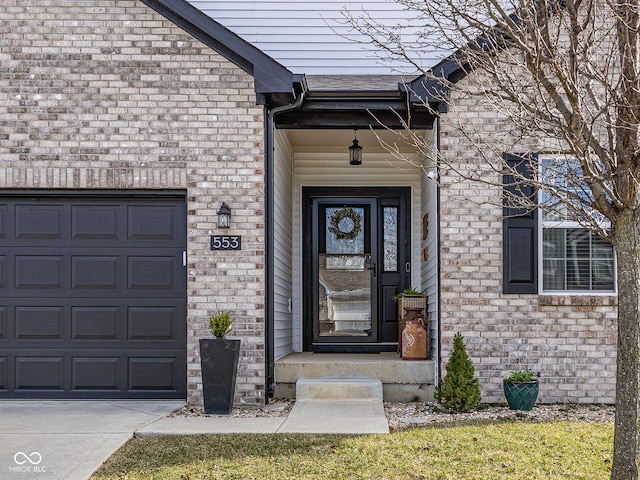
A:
x,y
340,140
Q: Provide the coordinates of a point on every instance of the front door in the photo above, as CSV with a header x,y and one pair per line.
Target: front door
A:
x,y
355,261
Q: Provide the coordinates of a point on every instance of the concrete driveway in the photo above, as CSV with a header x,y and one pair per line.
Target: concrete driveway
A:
x,y
51,440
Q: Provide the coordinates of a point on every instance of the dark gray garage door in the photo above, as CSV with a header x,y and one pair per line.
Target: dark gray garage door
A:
x,y
93,296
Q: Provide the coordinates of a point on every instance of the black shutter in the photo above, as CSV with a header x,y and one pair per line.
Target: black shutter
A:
x,y
520,229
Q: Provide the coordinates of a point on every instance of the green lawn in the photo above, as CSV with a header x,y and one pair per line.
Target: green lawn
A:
x,y
478,450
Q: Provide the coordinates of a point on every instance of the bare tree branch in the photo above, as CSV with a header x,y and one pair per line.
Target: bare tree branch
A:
x,y
564,75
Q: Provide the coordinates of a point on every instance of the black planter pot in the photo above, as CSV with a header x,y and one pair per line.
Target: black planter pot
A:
x,y
219,362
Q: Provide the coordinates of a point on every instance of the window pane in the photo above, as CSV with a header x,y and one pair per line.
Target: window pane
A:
x,y
576,260
554,211
344,279
601,249
578,243
554,243
390,239
566,174
553,275
349,221
603,275
578,274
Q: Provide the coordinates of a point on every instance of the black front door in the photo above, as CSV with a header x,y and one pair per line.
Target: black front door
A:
x,y
355,260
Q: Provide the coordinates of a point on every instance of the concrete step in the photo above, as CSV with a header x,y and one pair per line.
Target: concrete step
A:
x,y
338,388
336,416
337,405
402,381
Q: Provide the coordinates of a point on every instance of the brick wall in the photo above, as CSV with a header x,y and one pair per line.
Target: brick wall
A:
x,y
571,340
110,95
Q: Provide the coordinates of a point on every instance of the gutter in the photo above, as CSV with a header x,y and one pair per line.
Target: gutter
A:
x,y
269,187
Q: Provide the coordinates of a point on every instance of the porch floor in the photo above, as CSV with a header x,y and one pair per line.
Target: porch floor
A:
x,y
402,380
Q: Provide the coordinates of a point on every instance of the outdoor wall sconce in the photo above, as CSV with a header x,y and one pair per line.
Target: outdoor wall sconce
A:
x,y
355,151
224,216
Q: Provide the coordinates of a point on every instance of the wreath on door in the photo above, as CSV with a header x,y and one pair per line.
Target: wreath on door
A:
x,y
345,224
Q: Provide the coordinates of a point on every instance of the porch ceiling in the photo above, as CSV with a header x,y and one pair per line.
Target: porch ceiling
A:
x,y
339,140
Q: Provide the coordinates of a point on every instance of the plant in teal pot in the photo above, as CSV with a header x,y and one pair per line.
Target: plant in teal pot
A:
x,y
521,389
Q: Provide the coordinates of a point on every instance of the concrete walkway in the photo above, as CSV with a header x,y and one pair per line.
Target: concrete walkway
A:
x,y
56,440
323,405
52,440
307,416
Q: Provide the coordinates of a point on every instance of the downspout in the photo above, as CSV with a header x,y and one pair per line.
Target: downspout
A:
x,y
438,269
269,187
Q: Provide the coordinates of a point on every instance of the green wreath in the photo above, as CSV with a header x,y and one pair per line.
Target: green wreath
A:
x,y
339,223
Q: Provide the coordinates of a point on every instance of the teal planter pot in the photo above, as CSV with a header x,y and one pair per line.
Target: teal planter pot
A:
x,y
521,395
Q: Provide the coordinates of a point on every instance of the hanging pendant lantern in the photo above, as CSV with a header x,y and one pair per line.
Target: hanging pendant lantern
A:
x,y
355,151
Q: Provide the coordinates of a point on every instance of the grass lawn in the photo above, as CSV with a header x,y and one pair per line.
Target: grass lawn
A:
x,y
470,450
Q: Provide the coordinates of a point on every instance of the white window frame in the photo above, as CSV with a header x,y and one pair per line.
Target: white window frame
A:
x,y
564,224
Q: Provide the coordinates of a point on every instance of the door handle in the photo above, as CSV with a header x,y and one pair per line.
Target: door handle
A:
x,y
372,264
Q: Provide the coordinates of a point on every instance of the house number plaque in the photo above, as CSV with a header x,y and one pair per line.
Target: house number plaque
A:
x,y
226,242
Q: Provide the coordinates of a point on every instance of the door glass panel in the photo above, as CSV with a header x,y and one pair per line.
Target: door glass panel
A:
x,y
344,275
390,235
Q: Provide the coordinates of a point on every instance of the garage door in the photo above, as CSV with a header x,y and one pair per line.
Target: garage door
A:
x,y
93,296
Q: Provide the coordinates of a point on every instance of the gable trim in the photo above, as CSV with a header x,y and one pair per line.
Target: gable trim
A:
x,y
269,75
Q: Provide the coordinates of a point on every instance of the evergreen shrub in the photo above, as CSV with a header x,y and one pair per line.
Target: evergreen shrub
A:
x,y
459,390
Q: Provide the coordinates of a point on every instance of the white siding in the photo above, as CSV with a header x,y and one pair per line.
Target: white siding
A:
x,y
429,205
309,37
283,326
315,168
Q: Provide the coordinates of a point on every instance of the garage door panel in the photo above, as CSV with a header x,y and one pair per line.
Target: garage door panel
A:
x,y
39,271
4,230
39,221
92,296
151,222
92,271
3,271
4,376
3,322
39,323
95,222
39,373
152,323
152,373
145,272
90,373
32,273
95,323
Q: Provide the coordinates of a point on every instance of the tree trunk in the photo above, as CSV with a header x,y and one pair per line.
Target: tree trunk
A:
x,y
626,450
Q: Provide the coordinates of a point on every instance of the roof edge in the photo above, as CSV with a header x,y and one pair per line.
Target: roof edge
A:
x,y
430,89
269,75
454,67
